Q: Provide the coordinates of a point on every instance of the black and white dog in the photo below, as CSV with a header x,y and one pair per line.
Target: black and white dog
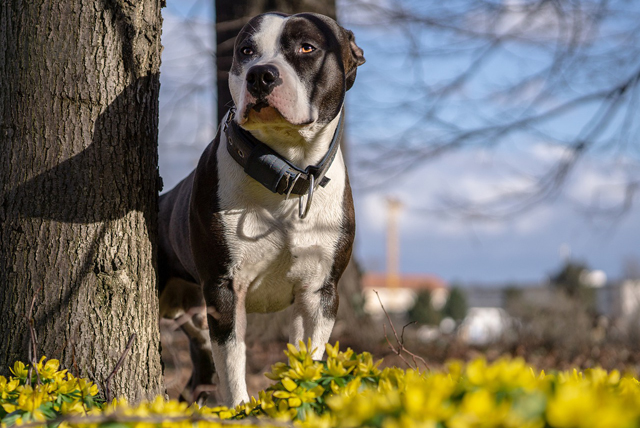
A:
x,y
266,219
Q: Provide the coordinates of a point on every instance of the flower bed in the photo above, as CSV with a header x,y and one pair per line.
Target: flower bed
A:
x,y
348,390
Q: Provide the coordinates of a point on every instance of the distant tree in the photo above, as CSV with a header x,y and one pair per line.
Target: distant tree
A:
x,y
570,278
456,306
512,298
422,311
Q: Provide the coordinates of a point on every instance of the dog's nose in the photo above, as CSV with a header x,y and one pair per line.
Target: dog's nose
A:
x,y
261,79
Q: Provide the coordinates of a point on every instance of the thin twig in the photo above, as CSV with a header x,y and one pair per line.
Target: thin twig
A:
x,y
396,351
400,341
117,367
405,326
413,357
33,340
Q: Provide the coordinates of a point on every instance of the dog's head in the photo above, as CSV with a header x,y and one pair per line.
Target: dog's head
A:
x,y
292,70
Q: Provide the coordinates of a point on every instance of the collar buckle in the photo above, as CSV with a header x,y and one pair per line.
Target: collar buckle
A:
x,y
275,172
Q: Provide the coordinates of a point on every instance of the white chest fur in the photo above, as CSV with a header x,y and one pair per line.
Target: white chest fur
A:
x,y
273,252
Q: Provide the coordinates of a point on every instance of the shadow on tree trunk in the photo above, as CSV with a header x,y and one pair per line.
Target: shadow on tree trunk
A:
x,y
86,230
104,181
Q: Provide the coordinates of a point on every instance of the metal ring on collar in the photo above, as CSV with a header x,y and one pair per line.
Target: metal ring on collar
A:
x,y
286,197
304,213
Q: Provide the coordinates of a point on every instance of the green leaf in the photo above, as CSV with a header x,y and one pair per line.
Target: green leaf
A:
x,y
11,418
303,411
49,413
75,394
308,384
341,382
324,381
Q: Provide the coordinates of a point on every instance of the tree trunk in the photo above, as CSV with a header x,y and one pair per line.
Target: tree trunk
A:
x,y
79,84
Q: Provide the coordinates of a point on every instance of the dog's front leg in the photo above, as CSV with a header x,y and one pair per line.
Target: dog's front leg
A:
x,y
227,325
314,313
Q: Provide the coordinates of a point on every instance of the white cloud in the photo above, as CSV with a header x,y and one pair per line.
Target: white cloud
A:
x,y
549,153
478,176
601,183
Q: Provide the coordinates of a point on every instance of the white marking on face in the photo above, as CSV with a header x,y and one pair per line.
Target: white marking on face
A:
x,y
290,99
267,38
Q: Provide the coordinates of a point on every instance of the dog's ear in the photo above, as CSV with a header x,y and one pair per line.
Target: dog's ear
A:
x,y
356,59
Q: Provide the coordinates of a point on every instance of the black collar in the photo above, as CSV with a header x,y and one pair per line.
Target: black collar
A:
x,y
270,169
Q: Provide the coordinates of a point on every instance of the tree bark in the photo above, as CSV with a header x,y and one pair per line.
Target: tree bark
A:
x,y
79,84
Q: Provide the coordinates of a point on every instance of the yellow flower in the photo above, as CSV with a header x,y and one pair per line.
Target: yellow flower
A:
x,y
335,368
19,370
366,366
506,393
64,387
7,387
30,399
302,353
353,387
250,406
8,407
332,351
49,369
310,395
288,384
87,387
277,370
307,371
73,407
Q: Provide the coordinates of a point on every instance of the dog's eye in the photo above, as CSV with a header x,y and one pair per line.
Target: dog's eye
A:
x,y
306,48
246,51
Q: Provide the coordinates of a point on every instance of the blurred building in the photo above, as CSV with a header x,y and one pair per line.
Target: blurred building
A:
x,y
400,295
620,300
613,299
484,325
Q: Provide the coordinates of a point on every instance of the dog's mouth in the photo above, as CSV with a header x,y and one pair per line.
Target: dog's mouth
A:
x,y
260,105
261,112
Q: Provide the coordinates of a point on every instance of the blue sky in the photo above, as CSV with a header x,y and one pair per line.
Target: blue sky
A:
x,y
434,238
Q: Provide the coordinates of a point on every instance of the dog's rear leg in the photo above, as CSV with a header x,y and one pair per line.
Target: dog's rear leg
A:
x,y
227,325
314,313
200,384
183,302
